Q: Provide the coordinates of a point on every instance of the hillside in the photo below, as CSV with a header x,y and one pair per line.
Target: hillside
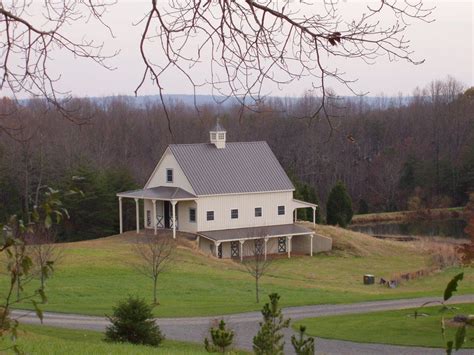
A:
x,y
93,275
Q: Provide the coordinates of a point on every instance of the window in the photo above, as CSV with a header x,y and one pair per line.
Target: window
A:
x,y
258,211
234,249
213,136
192,215
221,136
234,214
169,175
282,245
210,215
281,210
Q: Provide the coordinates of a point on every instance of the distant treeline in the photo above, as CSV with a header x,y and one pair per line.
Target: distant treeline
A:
x,y
394,154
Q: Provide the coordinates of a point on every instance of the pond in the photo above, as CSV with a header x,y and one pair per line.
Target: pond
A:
x,y
453,228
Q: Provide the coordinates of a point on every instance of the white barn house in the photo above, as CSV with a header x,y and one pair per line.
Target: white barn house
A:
x,y
231,195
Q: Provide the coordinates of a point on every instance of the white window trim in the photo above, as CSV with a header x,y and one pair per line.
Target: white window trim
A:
x,y
172,175
195,215
232,209
213,216
278,210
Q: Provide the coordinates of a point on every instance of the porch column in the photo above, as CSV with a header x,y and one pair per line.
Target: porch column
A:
x,y
311,251
154,216
217,248
289,245
314,218
242,250
173,204
120,215
265,247
137,215
295,216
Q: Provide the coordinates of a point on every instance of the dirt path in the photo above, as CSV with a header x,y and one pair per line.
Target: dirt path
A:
x,y
246,325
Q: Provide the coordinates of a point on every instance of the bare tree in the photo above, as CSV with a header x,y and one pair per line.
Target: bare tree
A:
x,y
256,262
245,46
154,256
29,37
44,253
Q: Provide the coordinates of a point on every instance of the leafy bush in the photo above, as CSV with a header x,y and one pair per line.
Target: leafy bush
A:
x,y
133,322
339,206
221,338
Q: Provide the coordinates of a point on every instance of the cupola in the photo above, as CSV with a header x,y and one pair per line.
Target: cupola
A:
x,y
217,135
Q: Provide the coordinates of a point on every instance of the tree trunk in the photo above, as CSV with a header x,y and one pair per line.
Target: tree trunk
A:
x,y
256,289
155,301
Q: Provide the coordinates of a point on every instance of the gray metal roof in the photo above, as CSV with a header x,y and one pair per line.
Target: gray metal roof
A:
x,y
159,193
240,167
256,232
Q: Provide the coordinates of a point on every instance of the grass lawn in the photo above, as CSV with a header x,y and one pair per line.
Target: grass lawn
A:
x,y
52,340
93,275
390,327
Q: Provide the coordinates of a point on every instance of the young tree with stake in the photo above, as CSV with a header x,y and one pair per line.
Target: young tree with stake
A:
x,y
154,256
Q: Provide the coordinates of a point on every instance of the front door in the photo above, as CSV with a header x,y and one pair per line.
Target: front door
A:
x,y
166,207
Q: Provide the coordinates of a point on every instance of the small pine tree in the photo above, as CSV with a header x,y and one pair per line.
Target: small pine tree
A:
x,y
133,322
221,338
268,340
303,345
339,206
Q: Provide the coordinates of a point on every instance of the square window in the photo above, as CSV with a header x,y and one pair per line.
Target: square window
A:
x,y
281,210
210,215
234,214
258,211
192,215
213,136
169,175
221,136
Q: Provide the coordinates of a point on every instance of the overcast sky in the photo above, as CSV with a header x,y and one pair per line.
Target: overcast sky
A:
x,y
446,45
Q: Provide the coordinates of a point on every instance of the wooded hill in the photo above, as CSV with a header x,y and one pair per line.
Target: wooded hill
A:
x,y
392,154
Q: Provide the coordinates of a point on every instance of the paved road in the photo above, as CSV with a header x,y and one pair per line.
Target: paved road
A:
x,y
246,325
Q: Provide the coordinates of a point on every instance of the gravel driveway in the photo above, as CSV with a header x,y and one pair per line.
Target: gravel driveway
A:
x,y
246,325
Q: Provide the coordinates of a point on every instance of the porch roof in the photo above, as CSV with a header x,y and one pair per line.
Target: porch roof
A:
x,y
282,230
166,193
303,204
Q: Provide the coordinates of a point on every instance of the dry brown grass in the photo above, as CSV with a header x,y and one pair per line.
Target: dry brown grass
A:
x,y
359,244
442,255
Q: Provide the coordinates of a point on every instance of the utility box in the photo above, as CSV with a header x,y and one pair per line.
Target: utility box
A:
x,y
369,279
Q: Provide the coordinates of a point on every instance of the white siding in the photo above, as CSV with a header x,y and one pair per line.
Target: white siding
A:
x,y
245,203
158,177
183,216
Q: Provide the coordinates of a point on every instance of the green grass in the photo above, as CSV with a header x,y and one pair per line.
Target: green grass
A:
x,y
52,340
390,327
94,275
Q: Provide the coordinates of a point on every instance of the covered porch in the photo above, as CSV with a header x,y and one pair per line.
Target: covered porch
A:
x,y
247,242
303,204
164,201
